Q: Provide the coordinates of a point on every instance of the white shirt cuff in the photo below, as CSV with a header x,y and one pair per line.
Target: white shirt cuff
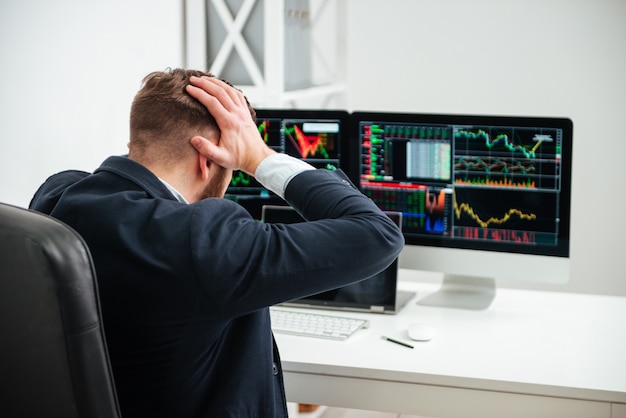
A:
x,y
275,172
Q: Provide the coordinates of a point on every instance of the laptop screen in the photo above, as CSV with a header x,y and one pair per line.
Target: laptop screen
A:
x,y
375,294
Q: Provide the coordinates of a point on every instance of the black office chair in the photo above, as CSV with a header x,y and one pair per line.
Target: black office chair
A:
x,y
53,356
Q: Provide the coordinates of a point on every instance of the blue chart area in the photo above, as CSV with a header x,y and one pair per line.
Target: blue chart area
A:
x,y
424,210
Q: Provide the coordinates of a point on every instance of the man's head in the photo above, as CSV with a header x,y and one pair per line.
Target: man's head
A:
x,y
164,118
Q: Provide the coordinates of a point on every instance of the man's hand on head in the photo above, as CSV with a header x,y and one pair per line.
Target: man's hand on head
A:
x,y
241,146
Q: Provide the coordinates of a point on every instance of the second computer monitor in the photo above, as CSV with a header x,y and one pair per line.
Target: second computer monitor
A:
x,y
318,137
480,196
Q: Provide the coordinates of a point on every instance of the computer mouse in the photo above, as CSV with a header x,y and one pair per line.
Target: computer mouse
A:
x,y
421,332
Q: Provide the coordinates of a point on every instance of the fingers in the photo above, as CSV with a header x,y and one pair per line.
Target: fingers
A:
x,y
235,94
211,151
208,100
229,97
240,146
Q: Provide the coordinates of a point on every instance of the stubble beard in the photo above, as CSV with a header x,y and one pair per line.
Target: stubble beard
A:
x,y
220,180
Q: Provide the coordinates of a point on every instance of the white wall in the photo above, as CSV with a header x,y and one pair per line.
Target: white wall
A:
x,y
531,57
70,69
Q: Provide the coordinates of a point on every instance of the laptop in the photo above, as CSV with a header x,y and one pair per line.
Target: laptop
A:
x,y
378,294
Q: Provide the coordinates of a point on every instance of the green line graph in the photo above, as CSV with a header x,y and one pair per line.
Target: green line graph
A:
x,y
503,139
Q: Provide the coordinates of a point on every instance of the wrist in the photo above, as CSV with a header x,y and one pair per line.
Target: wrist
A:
x,y
276,171
257,158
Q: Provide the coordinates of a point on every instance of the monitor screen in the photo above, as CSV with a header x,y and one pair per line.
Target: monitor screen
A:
x,y
318,137
482,196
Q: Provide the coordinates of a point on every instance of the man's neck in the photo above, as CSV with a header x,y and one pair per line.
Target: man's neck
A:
x,y
174,191
177,178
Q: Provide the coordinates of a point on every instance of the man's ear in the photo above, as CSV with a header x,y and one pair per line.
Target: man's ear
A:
x,y
203,165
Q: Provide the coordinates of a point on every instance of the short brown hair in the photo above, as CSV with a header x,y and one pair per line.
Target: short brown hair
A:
x,y
164,117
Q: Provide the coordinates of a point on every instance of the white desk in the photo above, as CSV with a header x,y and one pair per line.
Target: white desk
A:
x,y
531,354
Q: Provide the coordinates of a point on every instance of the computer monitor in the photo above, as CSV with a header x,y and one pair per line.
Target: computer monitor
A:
x,y
319,137
482,197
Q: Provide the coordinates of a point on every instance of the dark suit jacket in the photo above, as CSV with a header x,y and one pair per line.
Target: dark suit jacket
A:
x,y
185,289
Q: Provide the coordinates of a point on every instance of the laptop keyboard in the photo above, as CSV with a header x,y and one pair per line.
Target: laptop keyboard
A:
x,y
315,325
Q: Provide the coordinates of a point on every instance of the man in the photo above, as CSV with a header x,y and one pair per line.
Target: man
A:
x,y
185,276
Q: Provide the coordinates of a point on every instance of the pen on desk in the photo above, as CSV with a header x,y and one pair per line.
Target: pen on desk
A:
x,y
396,341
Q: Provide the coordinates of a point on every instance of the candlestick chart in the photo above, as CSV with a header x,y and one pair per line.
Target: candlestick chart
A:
x,y
504,215
309,145
269,129
425,210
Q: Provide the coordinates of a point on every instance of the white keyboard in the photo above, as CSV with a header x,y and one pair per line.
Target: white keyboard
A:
x,y
308,324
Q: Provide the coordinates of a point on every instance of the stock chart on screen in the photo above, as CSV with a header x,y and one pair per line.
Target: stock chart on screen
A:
x,y
463,181
317,137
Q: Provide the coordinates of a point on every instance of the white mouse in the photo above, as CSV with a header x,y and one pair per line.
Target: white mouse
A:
x,y
421,332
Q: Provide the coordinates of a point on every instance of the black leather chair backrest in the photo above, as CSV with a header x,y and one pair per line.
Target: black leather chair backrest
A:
x,y
53,356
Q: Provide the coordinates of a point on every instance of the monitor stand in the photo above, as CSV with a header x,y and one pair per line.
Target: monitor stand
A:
x,y
462,292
